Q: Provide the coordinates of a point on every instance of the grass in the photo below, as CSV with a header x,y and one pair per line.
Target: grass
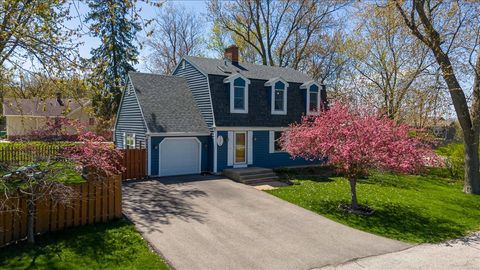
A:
x,y
115,245
413,208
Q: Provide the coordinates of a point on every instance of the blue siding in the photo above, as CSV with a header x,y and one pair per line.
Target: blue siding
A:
x,y
222,159
259,105
130,119
198,84
206,153
261,155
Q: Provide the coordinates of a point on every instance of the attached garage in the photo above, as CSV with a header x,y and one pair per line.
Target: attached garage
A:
x,y
180,156
159,112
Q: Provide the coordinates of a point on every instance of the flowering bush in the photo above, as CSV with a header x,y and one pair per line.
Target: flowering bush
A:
x,y
92,152
95,154
355,142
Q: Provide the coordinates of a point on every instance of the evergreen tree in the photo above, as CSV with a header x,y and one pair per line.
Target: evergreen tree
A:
x,y
115,23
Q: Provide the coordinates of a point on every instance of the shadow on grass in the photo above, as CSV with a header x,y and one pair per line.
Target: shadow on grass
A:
x,y
402,223
111,245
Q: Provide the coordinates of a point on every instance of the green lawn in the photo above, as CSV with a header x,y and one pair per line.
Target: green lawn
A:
x,y
411,208
116,245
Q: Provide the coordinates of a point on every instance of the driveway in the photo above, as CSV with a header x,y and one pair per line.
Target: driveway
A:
x,y
199,222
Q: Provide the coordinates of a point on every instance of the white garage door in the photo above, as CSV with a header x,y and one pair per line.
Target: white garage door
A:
x,y
179,156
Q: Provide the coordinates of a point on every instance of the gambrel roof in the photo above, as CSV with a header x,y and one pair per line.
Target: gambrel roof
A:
x,y
251,71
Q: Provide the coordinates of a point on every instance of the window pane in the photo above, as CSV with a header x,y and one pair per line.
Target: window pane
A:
x,y
238,98
278,104
313,106
239,82
240,140
279,85
277,135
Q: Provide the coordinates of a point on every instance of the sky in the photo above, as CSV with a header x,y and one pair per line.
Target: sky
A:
x,y
80,10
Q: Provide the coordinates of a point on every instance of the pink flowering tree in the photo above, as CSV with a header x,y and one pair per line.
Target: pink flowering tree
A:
x,y
49,175
96,157
355,142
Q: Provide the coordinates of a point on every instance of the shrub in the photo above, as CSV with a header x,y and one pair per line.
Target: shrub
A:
x,y
454,159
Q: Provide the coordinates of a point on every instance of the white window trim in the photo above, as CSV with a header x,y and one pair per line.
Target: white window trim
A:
x,y
272,142
125,137
307,86
231,79
271,83
317,112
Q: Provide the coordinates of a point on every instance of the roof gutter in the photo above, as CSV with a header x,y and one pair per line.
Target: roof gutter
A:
x,y
178,134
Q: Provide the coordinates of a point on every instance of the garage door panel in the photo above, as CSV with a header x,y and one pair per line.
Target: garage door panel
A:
x,y
179,156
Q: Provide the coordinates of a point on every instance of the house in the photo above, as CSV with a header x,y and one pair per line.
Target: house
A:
x,y
215,114
25,115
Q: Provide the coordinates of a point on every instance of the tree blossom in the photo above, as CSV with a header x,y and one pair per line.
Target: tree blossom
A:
x,y
95,155
355,142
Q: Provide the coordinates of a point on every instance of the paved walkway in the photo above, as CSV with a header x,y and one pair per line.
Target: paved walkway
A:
x,y
213,223
463,253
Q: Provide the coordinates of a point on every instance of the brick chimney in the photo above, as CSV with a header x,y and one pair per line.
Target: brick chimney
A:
x,y
231,53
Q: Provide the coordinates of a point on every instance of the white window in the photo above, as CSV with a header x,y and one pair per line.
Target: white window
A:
x,y
238,93
313,97
183,64
278,95
313,100
129,140
275,146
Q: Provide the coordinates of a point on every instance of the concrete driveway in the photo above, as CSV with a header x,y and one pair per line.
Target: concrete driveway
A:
x,y
199,222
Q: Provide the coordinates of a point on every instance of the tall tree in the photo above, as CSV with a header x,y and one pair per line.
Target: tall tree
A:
x,y
30,85
387,61
176,33
32,32
451,30
279,32
115,23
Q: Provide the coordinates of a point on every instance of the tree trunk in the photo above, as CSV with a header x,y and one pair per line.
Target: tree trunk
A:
x,y
470,123
31,221
353,190
472,174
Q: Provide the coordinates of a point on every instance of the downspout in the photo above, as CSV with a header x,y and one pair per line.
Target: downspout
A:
x,y
215,150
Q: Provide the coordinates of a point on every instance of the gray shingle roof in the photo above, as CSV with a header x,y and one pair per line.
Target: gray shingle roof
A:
x,y
42,107
167,103
251,71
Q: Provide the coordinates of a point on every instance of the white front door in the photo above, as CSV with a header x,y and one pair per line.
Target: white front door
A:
x,y
240,148
179,156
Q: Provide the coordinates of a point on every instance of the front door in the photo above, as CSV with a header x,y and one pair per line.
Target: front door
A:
x,y
240,148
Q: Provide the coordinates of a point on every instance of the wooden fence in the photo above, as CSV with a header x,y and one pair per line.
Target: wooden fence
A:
x,y
135,163
28,153
96,201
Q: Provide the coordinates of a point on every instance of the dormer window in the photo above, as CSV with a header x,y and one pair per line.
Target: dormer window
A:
x,y
278,95
238,93
313,97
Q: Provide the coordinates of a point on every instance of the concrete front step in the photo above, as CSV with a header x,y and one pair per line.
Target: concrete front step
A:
x,y
259,180
251,176
259,175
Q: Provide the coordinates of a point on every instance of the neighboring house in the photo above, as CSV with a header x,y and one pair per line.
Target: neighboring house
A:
x,y
24,115
215,114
